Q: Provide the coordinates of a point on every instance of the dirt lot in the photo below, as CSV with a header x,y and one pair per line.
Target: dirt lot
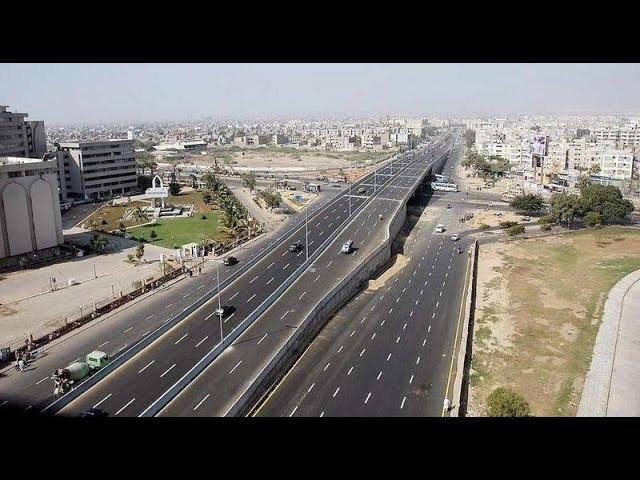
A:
x,y
287,159
538,311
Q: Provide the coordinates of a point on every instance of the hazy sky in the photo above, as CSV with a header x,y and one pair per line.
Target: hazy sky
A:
x,y
85,93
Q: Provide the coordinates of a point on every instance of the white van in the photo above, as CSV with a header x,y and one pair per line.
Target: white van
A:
x,y
440,228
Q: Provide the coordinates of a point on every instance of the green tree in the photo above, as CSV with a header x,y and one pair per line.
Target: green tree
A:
x,y
206,197
583,181
144,181
607,201
529,203
122,228
153,234
99,243
593,218
24,261
504,402
140,251
249,180
271,198
565,207
211,181
507,224
174,186
138,214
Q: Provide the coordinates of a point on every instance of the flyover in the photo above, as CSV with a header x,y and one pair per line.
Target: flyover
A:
x,y
233,382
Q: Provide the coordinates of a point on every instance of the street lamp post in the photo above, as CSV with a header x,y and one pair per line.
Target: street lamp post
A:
x,y
349,200
219,302
306,231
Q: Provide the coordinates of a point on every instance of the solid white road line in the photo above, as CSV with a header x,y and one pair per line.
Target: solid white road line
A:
x,y
126,330
270,281
234,296
336,392
103,344
367,399
146,366
168,370
402,404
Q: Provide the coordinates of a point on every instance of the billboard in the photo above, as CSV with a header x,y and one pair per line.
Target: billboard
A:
x,y
539,145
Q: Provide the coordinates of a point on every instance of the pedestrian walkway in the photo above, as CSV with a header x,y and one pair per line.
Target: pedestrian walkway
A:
x,y
613,381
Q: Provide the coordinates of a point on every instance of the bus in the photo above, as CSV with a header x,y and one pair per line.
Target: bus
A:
x,y
446,187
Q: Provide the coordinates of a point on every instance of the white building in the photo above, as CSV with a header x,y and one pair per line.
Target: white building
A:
x,y
97,169
616,164
29,206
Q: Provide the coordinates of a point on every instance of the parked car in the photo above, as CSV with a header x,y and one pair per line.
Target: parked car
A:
x,y
361,190
228,261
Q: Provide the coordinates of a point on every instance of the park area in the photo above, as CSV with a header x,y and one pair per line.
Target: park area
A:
x,y
538,310
175,232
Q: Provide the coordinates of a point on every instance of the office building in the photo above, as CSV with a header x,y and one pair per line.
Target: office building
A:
x,y
20,137
97,169
29,207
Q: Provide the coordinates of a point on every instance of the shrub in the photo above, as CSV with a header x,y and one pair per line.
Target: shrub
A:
x,y
545,227
484,226
204,217
131,258
104,222
515,229
545,220
593,218
504,402
507,224
153,234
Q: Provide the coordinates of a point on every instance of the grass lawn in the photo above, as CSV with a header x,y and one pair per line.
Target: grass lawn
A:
x,y
178,231
112,215
538,312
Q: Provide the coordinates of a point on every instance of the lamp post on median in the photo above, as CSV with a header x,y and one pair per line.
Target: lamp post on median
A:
x,y
306,231
219,302
349,200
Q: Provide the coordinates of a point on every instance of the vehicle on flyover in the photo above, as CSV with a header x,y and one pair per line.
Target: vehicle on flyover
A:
x,y
296,246
440,228
346,246
455,237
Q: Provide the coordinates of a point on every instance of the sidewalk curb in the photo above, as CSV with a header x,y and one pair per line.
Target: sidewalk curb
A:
x,y
595,392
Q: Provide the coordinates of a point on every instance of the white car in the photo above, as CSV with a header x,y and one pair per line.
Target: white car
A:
x,y
455,237
440,228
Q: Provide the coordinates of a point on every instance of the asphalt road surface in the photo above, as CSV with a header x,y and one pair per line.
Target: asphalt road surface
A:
x,y
133,387
387,353
217,389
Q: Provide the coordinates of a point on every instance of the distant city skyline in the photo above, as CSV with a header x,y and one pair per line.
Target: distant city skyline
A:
x,y
115,93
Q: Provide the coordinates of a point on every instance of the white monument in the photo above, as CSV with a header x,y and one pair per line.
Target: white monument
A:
x,y
157,192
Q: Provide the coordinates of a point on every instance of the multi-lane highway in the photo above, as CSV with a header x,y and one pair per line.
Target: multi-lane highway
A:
x,y
217,390
388,353
137,384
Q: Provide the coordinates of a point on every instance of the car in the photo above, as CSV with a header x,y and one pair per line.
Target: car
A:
x,y
361,190
346,246
526,219
296,247
93,413
455,237
440,228
337,185
228,261
448,205
224,310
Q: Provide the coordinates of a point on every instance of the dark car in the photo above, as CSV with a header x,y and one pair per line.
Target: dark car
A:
x,y
225,311
295,247
228,261
93,413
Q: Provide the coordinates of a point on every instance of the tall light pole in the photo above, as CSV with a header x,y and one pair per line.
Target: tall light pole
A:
x,y
306,231
349,199
219,302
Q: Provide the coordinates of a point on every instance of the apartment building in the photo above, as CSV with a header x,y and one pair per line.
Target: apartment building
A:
x,y
97,169
20,137
30,217
616,164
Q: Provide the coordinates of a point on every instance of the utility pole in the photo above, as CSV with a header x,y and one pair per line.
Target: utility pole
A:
x,y
219,302
306,231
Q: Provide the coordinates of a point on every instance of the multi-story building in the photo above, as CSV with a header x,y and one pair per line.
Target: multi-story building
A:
x,y
97,169
20,138
616,164
29,207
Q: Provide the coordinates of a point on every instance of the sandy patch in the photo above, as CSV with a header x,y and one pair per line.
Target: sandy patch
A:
x,y
399,261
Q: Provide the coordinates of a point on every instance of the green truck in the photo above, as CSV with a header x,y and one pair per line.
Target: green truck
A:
x,y
64,378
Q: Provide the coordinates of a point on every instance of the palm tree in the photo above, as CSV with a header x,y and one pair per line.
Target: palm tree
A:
x,y
139,214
